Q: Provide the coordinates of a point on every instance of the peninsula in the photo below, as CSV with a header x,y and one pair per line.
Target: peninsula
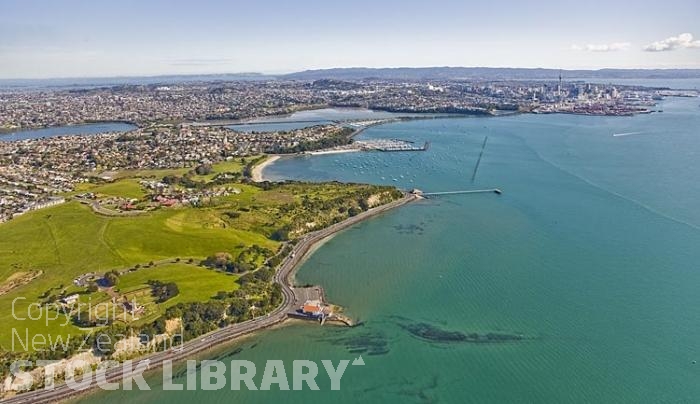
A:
x,y
289,301
163,245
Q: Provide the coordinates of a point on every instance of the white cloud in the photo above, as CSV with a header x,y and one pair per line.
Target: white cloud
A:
x,y
612,47
675,42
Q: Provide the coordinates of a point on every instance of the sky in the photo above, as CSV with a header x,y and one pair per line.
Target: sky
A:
x,y
103,38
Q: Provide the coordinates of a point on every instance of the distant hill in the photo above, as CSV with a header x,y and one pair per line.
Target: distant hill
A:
x,y
487,73
94,82
338,78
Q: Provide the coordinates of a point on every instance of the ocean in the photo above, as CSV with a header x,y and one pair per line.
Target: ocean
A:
x,y
588,262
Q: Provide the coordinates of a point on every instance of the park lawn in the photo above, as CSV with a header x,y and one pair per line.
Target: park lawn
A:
x,y
177,233
196,283
125,188
249,195
69,240
152,174
62,241
231,166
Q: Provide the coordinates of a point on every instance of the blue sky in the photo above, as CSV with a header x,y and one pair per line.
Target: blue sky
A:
x,y
72,38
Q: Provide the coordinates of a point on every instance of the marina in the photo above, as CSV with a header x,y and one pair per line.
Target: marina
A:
x,y
391,145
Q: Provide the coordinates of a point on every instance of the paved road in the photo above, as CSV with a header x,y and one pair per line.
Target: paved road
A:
x,y
282,277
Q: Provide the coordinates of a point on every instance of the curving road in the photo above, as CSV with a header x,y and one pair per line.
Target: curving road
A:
x,y
188,349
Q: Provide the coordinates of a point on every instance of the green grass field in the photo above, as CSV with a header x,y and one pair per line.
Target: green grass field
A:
x,y
233,165
195,283
70,240
127,188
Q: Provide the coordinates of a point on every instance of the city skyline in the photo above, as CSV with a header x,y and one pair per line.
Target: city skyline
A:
x,y
41,39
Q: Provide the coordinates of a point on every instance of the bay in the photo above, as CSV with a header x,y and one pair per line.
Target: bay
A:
x,y
590,254
68,130
312,117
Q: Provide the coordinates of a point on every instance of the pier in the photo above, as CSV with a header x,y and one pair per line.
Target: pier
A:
x,y
478,161
310,304
468,191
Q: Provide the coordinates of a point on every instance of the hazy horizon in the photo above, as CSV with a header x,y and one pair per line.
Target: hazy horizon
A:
x,y
283,73
76,38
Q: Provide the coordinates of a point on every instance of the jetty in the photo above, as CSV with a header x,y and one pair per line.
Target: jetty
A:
x,y
478,161
310,304
466,191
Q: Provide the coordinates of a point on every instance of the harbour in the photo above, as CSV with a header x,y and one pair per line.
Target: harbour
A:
x,y
482,264
567,241
391,145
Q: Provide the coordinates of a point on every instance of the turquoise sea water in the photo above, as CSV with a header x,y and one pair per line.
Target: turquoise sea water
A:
x,y
592,253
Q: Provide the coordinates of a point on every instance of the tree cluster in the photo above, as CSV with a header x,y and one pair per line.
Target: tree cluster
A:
x,y
163,291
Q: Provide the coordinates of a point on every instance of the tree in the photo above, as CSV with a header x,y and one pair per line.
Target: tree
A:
x,y
170,179
218,260
163,291
238,308
111,278
281,234
203,169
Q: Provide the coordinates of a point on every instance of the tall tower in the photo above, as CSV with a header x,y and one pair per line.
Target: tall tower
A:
x,y
559,94
559,86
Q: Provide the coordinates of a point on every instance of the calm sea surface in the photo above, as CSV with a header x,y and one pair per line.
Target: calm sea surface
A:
x,y
592,253
303,119
68,130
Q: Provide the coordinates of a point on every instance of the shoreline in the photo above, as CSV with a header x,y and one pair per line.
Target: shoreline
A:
x,y
257,173
14,131
331,151
305,247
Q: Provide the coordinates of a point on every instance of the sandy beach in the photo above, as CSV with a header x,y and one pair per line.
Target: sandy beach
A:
x,y
257,174
258,169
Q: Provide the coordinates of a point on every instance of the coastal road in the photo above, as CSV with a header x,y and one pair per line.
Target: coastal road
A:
x,y
204,342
